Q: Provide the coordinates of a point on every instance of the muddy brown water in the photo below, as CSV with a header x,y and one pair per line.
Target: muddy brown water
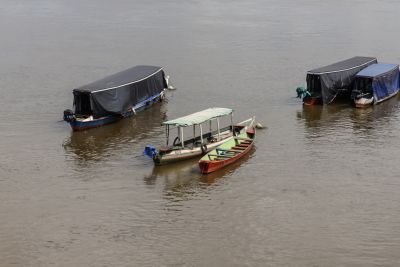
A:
x,y
321,187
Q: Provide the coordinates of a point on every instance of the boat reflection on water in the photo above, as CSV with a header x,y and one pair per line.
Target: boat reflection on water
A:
x,y
99,143
185,176
325,120
178,181
320,119
176,174
371,120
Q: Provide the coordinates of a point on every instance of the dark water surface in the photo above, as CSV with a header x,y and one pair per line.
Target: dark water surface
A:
x,y
321,188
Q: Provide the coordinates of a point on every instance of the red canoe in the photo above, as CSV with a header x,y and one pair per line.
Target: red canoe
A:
x,y
228,152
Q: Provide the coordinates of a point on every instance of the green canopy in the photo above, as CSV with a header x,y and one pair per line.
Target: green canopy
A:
x,y
199,117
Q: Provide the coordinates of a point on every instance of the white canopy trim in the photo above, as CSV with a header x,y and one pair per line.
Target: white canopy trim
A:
x,y
199,117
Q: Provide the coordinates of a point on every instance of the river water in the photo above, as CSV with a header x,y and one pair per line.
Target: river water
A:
x,y
321,187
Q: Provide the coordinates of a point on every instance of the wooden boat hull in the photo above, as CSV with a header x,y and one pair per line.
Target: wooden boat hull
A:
x,y
77,125
312,101
81,125
173,156
233,151
186,154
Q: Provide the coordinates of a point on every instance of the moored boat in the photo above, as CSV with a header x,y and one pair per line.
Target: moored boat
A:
x,y
334,81
117,96
375,84
229,152
312,100
198,145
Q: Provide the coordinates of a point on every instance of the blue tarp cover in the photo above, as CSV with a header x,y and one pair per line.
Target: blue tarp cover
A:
x,y
377,69
385,79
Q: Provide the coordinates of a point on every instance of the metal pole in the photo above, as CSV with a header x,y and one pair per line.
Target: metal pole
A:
x,y
182,143
232,121
218,127
210,127
201,134
167,132
194,134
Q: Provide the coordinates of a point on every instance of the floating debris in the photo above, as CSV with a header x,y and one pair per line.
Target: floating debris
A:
x,y
260,126
169,86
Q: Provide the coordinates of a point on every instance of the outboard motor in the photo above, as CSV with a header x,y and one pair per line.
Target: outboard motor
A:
x,y
302,92
69,115
150,151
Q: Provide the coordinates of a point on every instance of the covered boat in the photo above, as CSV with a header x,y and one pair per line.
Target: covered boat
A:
x,y
116,96
327,83
375,84
197,145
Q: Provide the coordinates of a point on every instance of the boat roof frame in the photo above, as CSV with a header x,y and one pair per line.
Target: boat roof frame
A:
x,y
370,76
199,117
316,72
86,88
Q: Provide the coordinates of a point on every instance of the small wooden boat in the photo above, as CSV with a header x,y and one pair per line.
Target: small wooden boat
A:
x,y
197,145
375,84
115,97
312,100
228,152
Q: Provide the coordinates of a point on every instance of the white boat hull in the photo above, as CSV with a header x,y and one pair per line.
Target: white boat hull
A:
x,y
364,102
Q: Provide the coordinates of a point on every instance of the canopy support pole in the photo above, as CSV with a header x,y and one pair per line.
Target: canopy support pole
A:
x,y
218,128
167,132
201,134
210,126
194,134
232,121
182,143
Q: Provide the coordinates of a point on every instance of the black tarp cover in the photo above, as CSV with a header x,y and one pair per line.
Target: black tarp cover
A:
x,y
118,93
338,77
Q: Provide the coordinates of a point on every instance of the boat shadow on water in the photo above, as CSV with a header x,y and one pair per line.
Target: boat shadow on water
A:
x,y
98,143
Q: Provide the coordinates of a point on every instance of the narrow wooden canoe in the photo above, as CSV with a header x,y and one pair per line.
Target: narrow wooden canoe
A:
x,y
228,152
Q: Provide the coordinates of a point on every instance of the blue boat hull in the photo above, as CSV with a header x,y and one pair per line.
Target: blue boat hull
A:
x,y
78,125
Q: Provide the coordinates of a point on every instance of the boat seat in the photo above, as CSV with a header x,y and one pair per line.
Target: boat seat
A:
x,y
238,148
243,145
233,151
219,156
225,150
242,138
